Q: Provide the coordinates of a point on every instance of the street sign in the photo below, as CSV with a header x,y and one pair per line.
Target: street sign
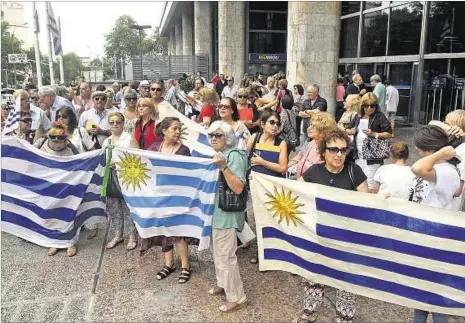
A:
x,y
17,58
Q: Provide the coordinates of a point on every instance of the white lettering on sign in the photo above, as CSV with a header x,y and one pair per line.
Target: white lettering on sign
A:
x,y
17,58
268,57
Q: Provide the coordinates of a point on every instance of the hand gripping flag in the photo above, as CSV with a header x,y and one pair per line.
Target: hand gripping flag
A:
x,y
45,198
392,250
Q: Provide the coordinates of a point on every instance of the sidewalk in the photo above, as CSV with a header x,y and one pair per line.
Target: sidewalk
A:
x,y
99,285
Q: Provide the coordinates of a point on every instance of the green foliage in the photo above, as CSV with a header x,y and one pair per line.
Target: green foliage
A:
x,y
72,66
11,45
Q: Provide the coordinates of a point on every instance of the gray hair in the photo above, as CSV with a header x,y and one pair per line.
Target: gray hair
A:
x,y
355,77
61,91
226,129
47,91
316,87
130,93
376,78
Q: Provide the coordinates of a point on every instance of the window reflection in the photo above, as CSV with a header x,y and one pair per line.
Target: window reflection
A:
x,y
349,37
404,38
374,33
349,7
446,33
268,21
267,43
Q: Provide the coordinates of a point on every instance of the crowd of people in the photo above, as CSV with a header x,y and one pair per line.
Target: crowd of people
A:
x,y
262,126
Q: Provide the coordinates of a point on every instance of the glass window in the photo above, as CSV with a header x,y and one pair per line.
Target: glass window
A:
x,y
349,37
374,34
349,7
372,4
404,37
268,21
366,71
446,33
267,43
400,74
269,5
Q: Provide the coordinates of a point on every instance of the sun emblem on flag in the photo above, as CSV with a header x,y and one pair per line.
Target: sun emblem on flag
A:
x,y
132,171
184,133
284,206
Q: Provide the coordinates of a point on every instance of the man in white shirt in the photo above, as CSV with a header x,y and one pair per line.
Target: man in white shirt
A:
x,y
50,102
95,120
270,87
40,121
392,101
230,91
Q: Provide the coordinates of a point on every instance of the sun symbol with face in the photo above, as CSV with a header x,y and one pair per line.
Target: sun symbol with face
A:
x,y
132,171
284,206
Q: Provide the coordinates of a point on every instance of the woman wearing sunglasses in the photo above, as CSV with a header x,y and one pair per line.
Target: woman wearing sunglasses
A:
x,y
373,123
78,136
337,173
145,125
228,112
129,111
56,143
24,130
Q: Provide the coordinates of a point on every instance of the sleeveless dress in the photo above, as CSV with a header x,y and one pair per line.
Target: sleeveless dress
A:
x,y
269,153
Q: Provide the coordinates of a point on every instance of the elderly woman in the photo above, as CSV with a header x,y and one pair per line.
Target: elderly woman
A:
x,y
56,143
145,126
24,130
337,173
78,136
233,166
169,129
209,99
350,118
130,111
372,124
227,111
310,155
117,209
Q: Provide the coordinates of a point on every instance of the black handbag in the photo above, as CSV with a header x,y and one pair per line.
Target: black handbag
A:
x,y
374,148
229,201
113,187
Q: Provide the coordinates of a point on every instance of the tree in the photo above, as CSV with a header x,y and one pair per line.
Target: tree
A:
x,y
96,62
11,45
72,66
155,44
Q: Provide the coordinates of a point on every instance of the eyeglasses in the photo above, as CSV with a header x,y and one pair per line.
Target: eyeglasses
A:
x,y
224,106
229,80
114,123
157,89
100,99
60,116
371,106
26,120
336,150
242,96
56,138
215,135
131,99
272,122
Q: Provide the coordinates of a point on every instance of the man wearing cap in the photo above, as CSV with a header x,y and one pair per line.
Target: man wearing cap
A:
x,y
95,120
144,89
50,102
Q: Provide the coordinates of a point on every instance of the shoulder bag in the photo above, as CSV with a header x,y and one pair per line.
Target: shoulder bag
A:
x,y
229,201
375,148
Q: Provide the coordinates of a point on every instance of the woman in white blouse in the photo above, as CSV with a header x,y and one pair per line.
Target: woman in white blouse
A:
x,y
78,136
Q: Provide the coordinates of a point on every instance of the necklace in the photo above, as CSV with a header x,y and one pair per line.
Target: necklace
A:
x,y
332,176
172,150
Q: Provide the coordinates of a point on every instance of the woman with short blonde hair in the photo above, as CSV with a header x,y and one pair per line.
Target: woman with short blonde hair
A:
x,y
209,99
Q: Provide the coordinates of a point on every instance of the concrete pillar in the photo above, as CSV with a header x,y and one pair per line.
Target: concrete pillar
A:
x,y
178,36
313,46
203,31
172,43
231,39
187,30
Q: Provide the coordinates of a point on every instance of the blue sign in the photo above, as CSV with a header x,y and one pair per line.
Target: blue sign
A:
x,y
267,57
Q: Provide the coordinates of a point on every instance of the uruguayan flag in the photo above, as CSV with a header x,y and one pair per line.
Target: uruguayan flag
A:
x,y
14,117
193,134
168,195
46,199
392,250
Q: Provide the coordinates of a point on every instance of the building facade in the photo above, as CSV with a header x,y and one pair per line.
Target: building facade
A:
x,y
13,14
419,46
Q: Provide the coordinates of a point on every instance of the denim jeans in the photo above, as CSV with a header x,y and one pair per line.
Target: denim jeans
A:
x,y
421,316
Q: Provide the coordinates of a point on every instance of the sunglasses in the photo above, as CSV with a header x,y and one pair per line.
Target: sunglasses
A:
x,y
230,80
6,108
114,123
215,135
272,122
335,150
224,106
371,106
242,96
157,89
60,116
131,99
100,99
56,138
27,120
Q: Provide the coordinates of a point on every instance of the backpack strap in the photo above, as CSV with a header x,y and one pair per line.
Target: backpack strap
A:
x,y
43,142
257,138
73,148
351,174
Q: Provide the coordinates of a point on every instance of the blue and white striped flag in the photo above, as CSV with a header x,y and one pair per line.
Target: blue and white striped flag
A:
x,y
45,198
392,250
168,195
193,134
14,117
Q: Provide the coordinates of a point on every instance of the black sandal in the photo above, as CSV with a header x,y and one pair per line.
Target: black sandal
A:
x,y
185,275
165,272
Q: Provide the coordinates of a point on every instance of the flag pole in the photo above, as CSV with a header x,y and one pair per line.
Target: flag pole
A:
x,y
62,73
36,45
49,37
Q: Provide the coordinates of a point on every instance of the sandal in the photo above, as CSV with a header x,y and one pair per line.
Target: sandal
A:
x,y
306,317
165,272
132,244
232,306
116,240
216,290
185,275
